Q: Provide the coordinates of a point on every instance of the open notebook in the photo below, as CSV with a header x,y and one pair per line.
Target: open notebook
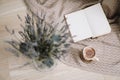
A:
x,y
89,22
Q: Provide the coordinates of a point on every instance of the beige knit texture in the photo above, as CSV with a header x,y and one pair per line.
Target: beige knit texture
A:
x,y
107,47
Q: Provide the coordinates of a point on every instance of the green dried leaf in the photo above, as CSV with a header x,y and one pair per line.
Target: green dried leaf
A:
x,y
48,62
66,45
10,31
56,38
19,18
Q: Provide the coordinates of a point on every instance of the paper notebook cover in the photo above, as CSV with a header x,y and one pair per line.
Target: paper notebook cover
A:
x,y
89,22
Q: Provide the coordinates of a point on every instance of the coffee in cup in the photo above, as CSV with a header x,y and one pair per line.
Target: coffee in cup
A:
x,y
89,54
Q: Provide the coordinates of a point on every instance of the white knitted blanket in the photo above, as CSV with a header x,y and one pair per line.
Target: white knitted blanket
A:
x,y
107,47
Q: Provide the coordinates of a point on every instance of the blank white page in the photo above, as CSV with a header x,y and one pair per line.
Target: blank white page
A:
x,y
97,20
78,25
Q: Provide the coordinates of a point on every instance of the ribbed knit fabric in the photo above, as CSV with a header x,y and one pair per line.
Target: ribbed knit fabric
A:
x,y
107,47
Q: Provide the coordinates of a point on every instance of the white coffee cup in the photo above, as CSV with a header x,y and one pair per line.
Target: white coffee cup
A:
x,y
89,54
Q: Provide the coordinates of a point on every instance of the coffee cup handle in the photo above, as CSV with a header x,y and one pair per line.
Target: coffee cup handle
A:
x,y
95,59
